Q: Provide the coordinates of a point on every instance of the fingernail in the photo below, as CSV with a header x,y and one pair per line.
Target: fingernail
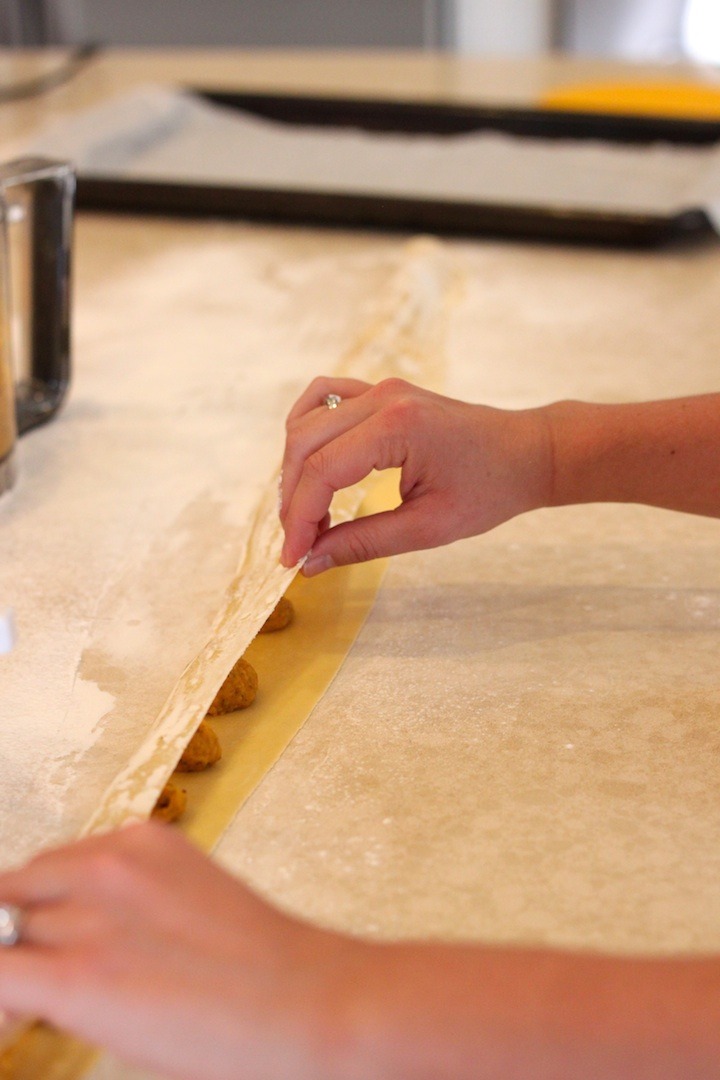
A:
x,y
316,564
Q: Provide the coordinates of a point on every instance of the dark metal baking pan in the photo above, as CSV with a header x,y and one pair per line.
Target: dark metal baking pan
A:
x,y
133,195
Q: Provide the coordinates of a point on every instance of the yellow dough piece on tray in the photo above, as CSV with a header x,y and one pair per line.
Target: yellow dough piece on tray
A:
x,y
202,751
237,692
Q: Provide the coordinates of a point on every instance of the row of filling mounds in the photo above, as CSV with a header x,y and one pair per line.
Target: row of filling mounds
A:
x,y
238,692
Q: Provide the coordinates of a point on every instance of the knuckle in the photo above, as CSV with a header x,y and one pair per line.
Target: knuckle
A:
x,y
392,387
402,413
318,387
401,406
114,871
360,547
75,968
145,835
94,962
315,467
389,389
293,428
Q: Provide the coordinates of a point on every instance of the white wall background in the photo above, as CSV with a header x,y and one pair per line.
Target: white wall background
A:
x,y
501,26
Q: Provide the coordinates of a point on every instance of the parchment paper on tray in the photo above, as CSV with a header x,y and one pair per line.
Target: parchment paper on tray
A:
x,y
162,135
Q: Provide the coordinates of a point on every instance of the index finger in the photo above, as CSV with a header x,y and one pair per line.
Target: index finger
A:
x,y
348,459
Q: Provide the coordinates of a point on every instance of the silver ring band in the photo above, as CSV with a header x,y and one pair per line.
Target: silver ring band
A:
x,y
11,919
332,401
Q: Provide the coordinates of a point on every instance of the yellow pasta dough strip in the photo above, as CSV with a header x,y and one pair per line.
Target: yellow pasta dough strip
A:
x,y
294,669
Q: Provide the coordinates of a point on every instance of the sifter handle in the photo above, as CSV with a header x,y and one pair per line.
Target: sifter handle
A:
x,y
39,196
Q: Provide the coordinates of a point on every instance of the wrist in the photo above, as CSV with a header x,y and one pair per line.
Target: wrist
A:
x,y
536,458
576,445
601,452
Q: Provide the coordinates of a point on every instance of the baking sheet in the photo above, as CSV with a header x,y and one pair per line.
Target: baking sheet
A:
x,y
160,148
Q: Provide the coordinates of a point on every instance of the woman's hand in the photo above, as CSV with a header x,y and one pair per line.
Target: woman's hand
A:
x,y
137,942
467,468
464,469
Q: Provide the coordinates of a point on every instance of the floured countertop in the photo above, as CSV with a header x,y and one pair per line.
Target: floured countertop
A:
x,y
522,747
545,770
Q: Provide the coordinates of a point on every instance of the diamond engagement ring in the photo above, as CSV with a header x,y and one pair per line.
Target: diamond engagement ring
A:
x,y
11,918
332,400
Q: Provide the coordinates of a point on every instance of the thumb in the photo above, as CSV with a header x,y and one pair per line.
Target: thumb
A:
x,y
408,528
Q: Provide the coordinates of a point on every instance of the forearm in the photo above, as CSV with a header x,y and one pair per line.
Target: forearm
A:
x,y
662,453
435,1012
